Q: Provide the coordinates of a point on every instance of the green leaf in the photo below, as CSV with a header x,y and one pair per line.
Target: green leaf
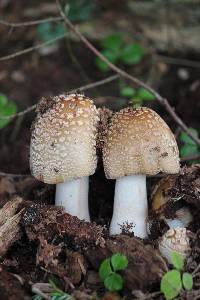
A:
x,y
114,282
145,95
137,101
8,109
79,10
187,281
111,56
119,262
187,150
3,100
132,54
171,284
105,269
177,260
112,42
47,31
127,91
184,137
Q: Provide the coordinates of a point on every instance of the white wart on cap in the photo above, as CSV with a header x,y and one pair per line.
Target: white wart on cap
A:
x,y
63,139
138,143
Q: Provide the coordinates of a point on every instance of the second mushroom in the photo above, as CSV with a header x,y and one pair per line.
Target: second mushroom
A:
x,y
138,143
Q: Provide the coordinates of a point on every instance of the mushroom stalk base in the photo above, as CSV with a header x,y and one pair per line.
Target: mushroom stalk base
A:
x,y
130,205
73,196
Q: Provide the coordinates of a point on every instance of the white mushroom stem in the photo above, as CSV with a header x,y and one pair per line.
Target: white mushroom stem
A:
x,y
73,196
130,205
174,223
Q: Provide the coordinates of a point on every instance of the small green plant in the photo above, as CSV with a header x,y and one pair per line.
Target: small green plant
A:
x,y
56,294
115,50
6,109
79,10
75,10
174,281
137,96
49,31
108,271
189,147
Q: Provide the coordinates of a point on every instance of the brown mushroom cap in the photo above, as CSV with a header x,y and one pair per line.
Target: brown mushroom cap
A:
x,y
139,142
63,139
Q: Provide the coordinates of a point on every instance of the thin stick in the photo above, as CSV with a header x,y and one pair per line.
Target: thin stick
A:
x,y
30,49
40,293
80,89
14,175
178,61
95,84
191,157
164,102
30,23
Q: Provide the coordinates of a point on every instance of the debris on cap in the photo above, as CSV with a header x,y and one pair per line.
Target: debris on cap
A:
x,y
160,195
174,212
139,142
63,139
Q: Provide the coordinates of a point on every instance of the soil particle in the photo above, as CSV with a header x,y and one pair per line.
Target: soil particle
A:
x,y
187,185
10,287
60,261
54,225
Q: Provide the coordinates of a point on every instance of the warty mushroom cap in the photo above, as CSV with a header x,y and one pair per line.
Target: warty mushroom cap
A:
x,y
175,240
63,139
138,141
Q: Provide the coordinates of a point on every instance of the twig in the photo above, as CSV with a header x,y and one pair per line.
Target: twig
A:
x,y
19,278
191,157
37,291
30,49
164,102
178,61
196,270
14,175
19,114
80,89
95,84
30,23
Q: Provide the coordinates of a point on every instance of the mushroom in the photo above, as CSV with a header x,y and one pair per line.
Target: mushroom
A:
x,y
138,143
62,149
160,198
175,240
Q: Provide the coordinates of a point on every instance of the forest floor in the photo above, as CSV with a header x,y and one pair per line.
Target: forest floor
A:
x,y
46,242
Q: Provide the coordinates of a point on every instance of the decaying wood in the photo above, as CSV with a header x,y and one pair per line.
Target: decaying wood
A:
x,y
64,236
9,209
61,238
61,261
10,232
51,223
